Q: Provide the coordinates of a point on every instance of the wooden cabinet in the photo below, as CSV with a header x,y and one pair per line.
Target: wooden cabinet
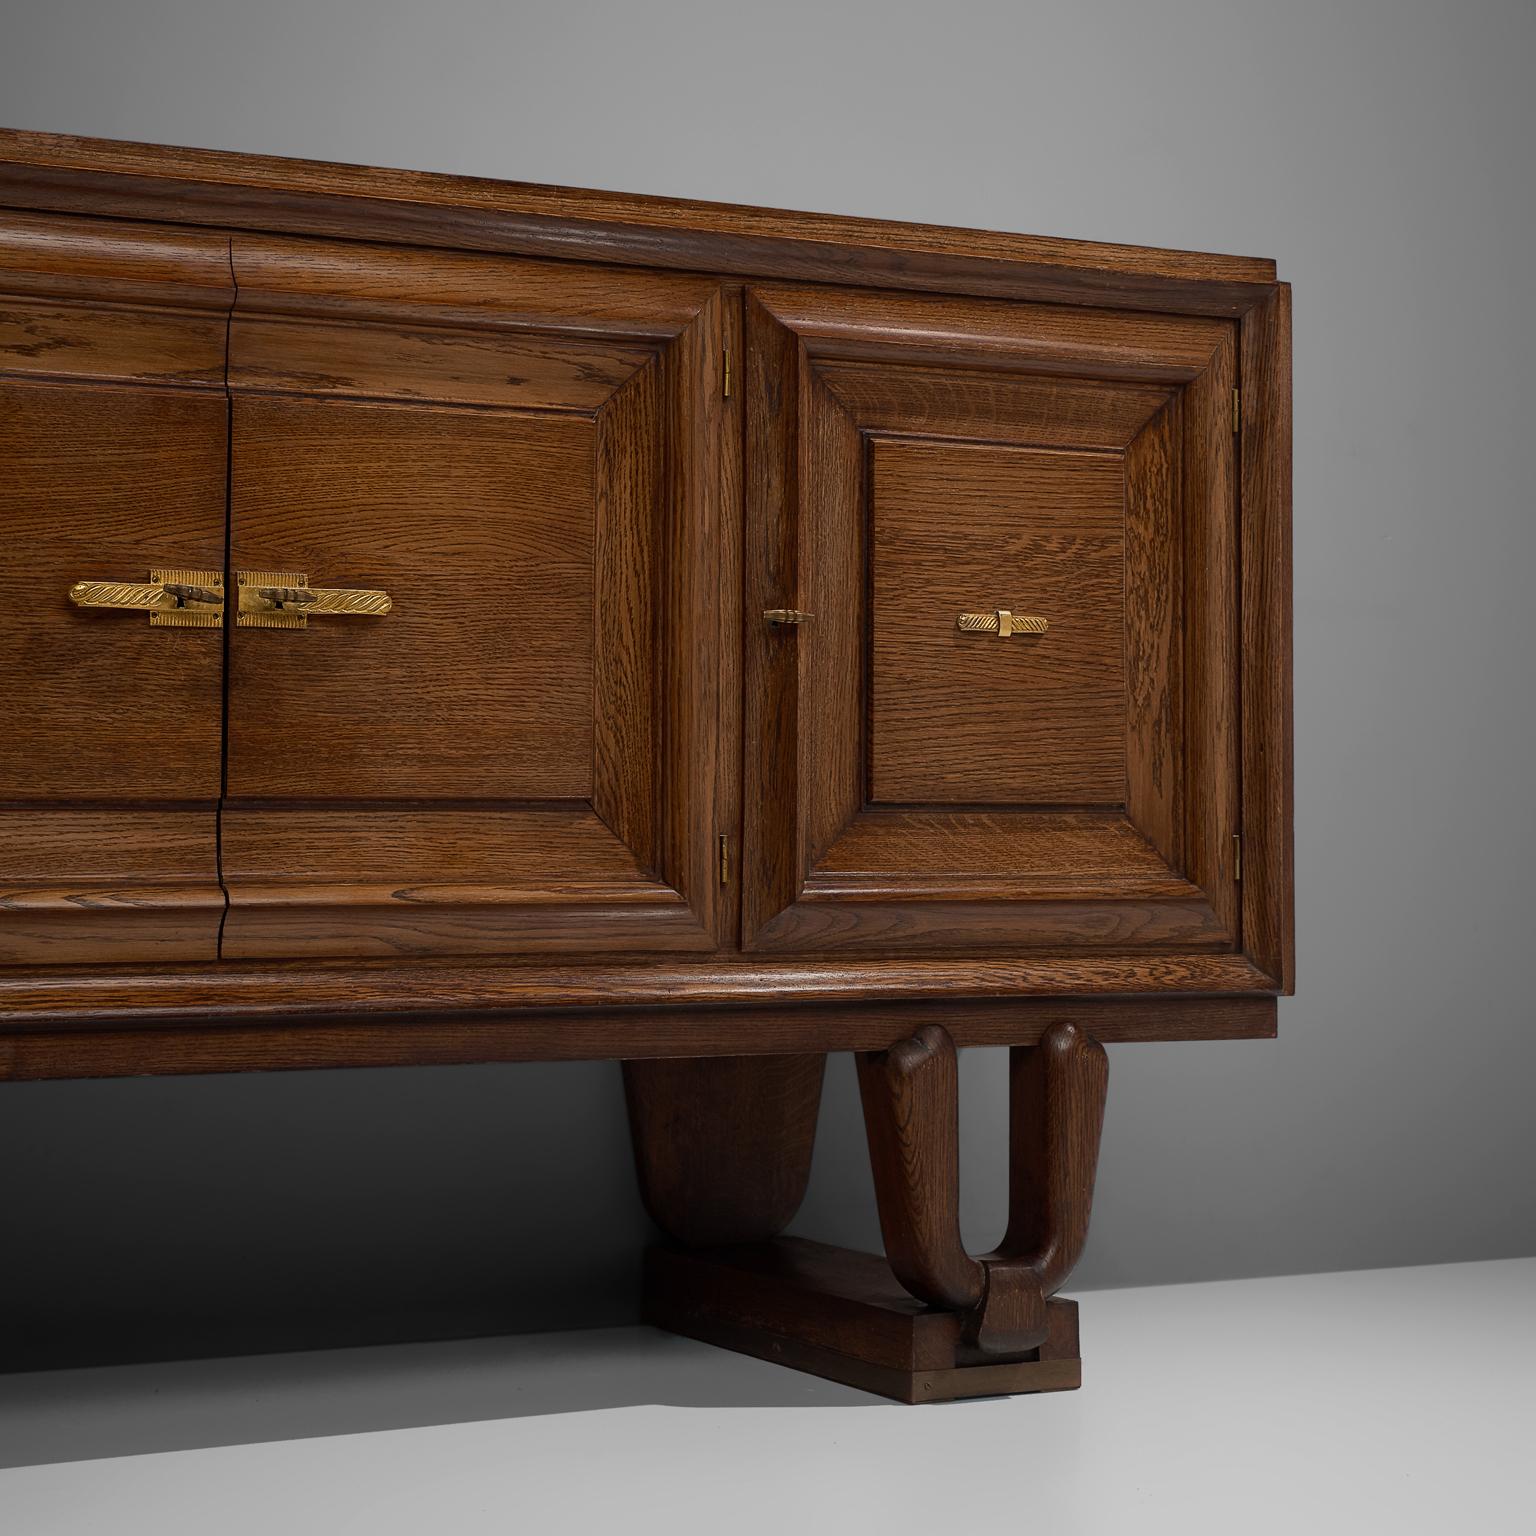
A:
x,y
460,621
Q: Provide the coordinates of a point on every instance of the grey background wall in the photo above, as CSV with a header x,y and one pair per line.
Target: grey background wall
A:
x,y
1381,150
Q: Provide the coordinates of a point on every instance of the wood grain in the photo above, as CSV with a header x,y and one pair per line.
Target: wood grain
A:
x,y
1002,990
1269,919
80,886
910,1094
1211,639
841,1314
1038,338
723,1145
432,300
972,718
1153,738
1029,412
107,484
112,464
262,192
911,1098
403,881
626,1030
525,457
478,682
970,733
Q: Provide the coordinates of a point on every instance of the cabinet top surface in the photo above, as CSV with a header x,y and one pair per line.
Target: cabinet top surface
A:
x,y
199,185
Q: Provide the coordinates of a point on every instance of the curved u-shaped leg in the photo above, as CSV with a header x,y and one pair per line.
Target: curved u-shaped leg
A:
x,y
723,1143
1056,1109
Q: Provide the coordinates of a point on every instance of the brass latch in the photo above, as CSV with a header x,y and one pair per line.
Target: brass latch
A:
x,y
285,600
1002,623
786,616
185,599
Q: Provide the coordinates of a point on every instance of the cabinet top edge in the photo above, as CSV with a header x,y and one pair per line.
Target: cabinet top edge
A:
x,y
69,173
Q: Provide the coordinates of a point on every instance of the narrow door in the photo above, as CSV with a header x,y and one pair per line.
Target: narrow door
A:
x,y
113,453
991,628
473,685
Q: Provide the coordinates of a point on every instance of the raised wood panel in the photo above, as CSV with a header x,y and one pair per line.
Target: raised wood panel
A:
x,y
969,717
886,525
478,682
107,484
524,458
112,464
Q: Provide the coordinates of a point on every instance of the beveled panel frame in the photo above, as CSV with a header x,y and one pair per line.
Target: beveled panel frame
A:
x,y
113,440
827,869
625,864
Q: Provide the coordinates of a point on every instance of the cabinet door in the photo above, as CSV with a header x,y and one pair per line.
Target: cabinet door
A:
x,y
1009,720
112,464
519,755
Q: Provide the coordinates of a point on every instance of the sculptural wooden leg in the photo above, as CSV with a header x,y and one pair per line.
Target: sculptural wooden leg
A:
x,y
933,1321
1056,1114
723,1144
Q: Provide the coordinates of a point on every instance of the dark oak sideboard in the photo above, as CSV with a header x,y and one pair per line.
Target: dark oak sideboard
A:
x,y
463,621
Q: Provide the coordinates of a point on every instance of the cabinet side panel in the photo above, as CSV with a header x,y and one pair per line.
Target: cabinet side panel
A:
x,y
1268,791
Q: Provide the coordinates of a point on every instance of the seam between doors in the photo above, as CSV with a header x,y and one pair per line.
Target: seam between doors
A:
x,y
229,612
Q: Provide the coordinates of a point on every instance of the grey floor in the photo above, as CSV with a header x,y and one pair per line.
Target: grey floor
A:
x,y
1387,1399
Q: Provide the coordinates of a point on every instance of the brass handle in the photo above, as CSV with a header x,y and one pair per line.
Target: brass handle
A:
x,y
285,600
786,616
185,599
1002,623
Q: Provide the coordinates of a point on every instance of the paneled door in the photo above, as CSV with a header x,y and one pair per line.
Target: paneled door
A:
x,y
473,692
113,450
991,627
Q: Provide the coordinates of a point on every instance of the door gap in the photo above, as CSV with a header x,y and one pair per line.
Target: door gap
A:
x,y
229,614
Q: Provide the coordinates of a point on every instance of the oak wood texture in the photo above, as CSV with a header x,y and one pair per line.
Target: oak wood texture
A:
x,y
309,197
520,755
723,1145
840,1314
1032,719
910,1094
112,463
1268,780
914,457
202,1041
445,892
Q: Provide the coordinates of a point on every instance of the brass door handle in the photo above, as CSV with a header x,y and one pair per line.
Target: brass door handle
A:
x,y
173,598
285,600
786,616
1002,623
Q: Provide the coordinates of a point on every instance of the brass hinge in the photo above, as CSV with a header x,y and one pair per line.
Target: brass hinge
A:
x,y
1237,410
725,860
1237,855
725,376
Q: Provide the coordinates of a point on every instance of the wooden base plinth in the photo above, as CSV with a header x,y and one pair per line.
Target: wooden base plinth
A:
x,y
842,1315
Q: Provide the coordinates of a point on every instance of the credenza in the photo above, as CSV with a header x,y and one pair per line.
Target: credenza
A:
x,y
459,621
